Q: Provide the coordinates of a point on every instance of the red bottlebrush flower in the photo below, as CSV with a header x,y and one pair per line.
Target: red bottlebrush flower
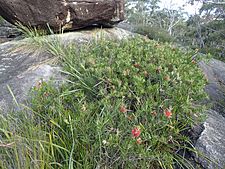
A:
x,y
123,109
145,73
46,94
168,113
39,84
193,61
167,78
139,140
158,69
154,113
137,65
136,132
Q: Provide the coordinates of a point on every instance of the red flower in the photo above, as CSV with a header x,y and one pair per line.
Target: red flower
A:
x,y
46,94
145,73
159,69
193,61
154,113
167,78
139,140
39,84
123,109
137,65
136,132
168,113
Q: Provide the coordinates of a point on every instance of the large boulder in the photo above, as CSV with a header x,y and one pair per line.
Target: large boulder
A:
x,y
23,65
214,71
66,14
211,141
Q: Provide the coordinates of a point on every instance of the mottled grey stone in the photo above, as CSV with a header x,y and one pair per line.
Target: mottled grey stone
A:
x,y
8,32
20,69
214,71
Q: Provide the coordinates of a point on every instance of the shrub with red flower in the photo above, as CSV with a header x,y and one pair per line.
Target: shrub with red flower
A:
x,y
168,113
123,109
136,132
154,113
139,140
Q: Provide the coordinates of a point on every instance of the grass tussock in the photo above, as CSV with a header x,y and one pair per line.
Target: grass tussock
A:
x,y
125,105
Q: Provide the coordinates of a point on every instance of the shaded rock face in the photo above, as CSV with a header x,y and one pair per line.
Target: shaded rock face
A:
x,y
211,141
22,65
214,71
66,14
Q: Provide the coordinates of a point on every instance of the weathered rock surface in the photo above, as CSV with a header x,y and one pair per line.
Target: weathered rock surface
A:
x,y
8,31
22,66
66,14
20,69
212,140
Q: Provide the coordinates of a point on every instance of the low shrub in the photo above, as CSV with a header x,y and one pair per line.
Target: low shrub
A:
x,y
154,33
1,19
125,105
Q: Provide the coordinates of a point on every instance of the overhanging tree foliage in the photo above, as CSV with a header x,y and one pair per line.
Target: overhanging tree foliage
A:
x,y
207,29
204,30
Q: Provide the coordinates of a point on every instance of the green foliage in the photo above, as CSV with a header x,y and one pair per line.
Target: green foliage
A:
x,y
30,32
112,89
148,13
140,12
1,19
214,34
154,33
207,37
206,30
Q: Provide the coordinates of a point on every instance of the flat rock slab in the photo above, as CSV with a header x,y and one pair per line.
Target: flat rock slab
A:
x,y
22,66
66,14
20,69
